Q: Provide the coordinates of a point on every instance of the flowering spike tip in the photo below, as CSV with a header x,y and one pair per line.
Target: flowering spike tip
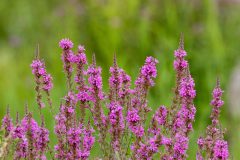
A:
x,y
93,59
115,60
37,56
181,41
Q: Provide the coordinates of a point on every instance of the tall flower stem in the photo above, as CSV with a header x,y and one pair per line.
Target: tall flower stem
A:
x,y
100,120
213,144
43,81
67,56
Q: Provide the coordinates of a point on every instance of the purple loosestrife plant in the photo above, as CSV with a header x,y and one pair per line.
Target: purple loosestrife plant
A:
x,y
31,139
30,127
67,58
180,66
83,96
96,97
185,116
7,124
87,142
60,131
182,112
43,80
213,145
42,141
139,107
115,120
115,115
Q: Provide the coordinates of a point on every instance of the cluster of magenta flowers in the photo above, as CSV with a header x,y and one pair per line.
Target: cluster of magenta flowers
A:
x,y
30,140
42,78
213,145
115,122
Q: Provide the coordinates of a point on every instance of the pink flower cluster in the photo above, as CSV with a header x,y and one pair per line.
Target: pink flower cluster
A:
x,y
180,64
119,117
148,72
7,124
80,142
43,81
31,139
134,122
213,144
38,69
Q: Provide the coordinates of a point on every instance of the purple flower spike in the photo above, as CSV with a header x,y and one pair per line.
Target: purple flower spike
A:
x,y
47,82
161,115
7,124
148,72
32,140
180,63
80,57
42,141
117,124
67,58
134,122
38,67
187,88
221,150
66,44
181,146
21,149
216,103
43,80
88,142
217,94
74,136
96,96
214,144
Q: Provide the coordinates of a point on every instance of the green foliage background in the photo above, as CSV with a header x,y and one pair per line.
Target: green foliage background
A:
x,y
133,29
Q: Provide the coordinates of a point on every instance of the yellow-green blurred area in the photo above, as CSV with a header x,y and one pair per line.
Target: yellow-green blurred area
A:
x,y
133,29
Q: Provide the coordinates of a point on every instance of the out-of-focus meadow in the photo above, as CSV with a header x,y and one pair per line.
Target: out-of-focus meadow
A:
x,y
133,29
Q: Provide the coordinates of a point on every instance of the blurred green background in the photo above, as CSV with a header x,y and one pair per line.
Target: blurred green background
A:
x,y
133,29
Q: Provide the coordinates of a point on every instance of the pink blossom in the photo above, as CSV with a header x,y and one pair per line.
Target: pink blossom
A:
x,y
133,120
161,115
181,146
221,150
74,136
148,72
21,149
7,124
47,82
187,88
65,44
